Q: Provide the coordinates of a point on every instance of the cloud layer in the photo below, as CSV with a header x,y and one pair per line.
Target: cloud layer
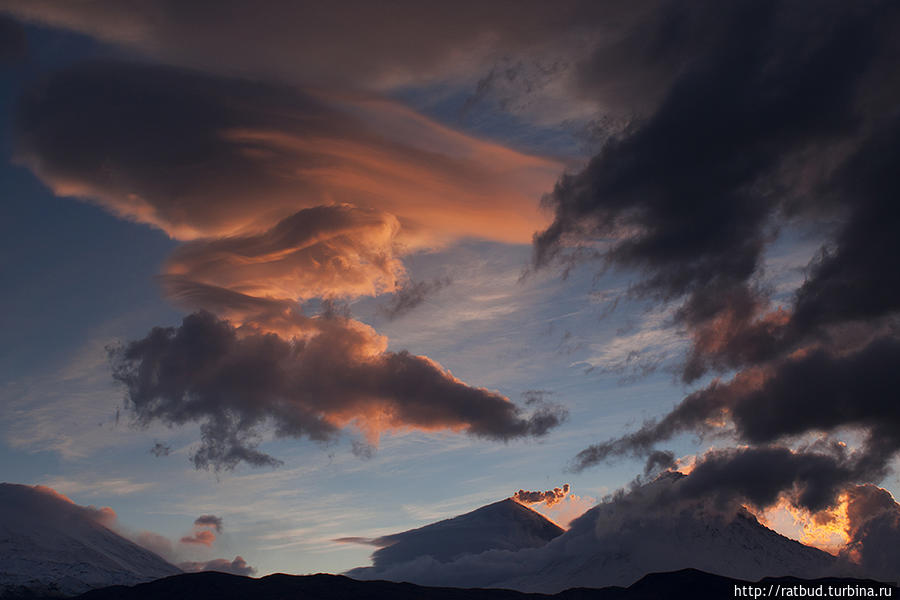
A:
x,y
185,152
206,372
281,196
769,120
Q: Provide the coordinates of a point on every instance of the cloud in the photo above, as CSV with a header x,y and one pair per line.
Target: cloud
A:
x,y
550,497
91,484
358,540
766,116
106,516
517,62
873,526
103,515
285,148
319,252
160,449
203,531
206,372
209,521
654,527
238,566
156,543
281,196
659,461
203,537
766,119
812,480
411,295
815,392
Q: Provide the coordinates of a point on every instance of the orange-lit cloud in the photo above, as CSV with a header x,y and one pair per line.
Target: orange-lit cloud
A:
x,y
863,526
550,497
828,530
282,196
336,251
203,537
103,515
220,157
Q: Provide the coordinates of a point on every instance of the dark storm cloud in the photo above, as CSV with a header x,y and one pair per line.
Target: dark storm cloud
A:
x,y
815,392
825,484
209,521
873,519
856,276
754,127
204,372
768,115
411,295
238,566
760,475
659,460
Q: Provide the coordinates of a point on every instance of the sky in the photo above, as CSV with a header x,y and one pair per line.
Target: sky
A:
x,y
278,276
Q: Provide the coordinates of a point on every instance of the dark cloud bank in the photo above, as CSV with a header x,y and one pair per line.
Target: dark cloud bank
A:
x,y
774,117
774,114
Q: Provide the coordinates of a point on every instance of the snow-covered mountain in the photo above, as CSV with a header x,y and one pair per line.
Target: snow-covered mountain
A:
x,y
617,543
504,525
48,545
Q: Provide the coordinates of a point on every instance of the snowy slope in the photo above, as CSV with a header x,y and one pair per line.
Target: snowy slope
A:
x,y
49,544
617,543
504,525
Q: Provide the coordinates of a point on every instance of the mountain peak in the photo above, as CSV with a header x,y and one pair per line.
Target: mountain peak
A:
x,y
613,544
49,544
502,525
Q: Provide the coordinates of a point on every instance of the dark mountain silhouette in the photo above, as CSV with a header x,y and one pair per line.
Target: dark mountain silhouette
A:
x,y
688,583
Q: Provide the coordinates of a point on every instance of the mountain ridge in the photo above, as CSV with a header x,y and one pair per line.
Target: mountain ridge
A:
x,y
616,543
49,544
685,583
